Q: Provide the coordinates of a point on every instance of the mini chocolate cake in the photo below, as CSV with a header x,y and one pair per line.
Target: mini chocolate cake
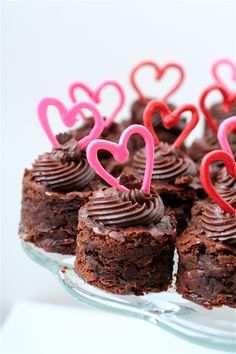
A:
x,y
125,242
175,179
59,183
169,136
207,256
112,133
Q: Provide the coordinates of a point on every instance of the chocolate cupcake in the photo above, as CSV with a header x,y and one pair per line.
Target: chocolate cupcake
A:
x,y
175,179
207,256
125,241
58,184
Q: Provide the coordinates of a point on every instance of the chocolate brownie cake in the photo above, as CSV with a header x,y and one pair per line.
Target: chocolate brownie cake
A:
x,y
169,136
175,179
207,256
58,184
125,241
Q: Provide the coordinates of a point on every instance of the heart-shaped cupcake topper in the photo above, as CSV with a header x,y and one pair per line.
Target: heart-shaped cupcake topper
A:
x,y
69,118
223,62
95,94
229,98
159,73
121,154
210,158
170,119
226,127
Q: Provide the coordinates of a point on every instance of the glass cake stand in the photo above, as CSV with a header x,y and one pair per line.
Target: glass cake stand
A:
x,y
212,328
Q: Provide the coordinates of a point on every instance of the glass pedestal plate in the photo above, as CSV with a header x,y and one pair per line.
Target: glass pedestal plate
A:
x,y
211,328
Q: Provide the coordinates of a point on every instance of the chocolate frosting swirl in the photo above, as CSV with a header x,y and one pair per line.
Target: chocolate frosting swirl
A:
x,y
169,164
218,225
123,209
226,185
65,169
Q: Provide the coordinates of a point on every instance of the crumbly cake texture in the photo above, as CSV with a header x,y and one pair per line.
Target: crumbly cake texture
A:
x,y
207,266
49,219
133,261
58,184
130,259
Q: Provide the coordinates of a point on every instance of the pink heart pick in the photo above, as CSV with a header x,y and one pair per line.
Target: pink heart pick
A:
x,y
121,154
94,95
229,98
225,128
69,118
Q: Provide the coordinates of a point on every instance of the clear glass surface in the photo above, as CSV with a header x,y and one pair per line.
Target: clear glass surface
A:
x,y
212,328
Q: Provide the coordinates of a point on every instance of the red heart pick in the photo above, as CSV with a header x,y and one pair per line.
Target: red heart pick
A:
x,y
69,118
94,95
159,73
229,98
170,119
227,62
205,176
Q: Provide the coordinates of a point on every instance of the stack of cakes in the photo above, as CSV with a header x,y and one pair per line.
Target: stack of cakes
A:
x,y
123,207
